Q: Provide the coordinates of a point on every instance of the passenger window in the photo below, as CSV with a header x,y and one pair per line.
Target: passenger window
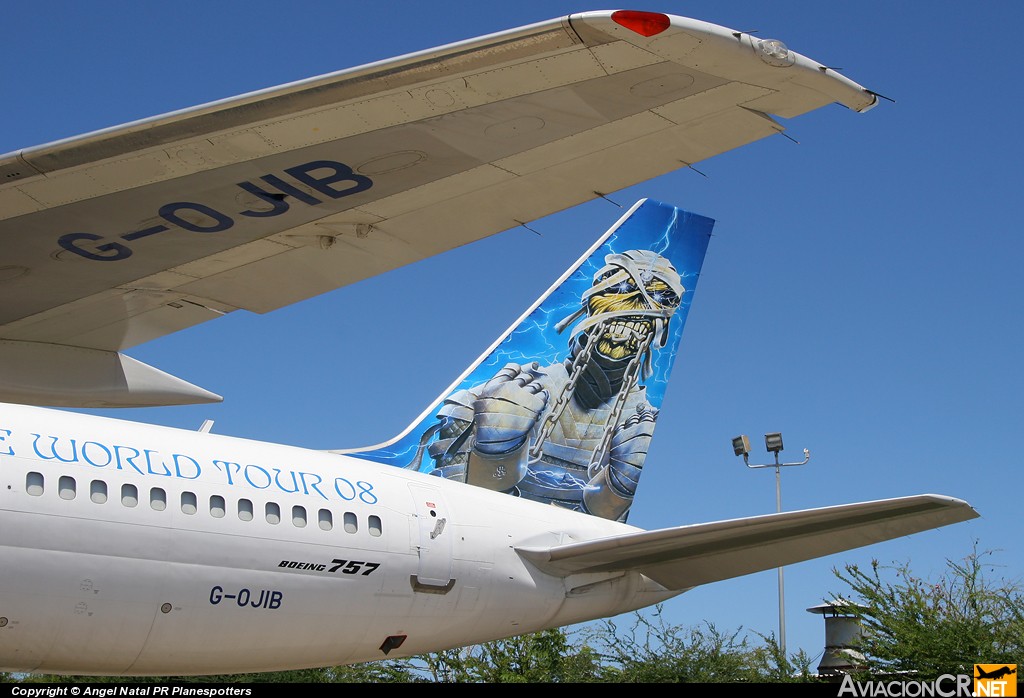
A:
x,y
66,487
273,513
129,495
351,523
375,528
245,510
217,506
34,484
299,517
157,499
189,503
326,520
98,491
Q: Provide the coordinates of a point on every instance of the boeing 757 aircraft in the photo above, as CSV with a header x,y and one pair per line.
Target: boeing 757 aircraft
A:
x,y
133,549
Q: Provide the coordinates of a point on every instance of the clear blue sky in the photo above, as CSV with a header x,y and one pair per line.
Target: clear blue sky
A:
x,y
862,293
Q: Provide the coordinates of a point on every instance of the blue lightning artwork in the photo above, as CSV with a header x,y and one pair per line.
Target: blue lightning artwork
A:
x,y
563,408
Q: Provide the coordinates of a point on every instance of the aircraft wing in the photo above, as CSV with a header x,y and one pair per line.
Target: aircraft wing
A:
x,y
687,556
123,235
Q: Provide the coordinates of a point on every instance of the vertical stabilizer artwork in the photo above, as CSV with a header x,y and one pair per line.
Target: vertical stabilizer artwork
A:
x,y
563,408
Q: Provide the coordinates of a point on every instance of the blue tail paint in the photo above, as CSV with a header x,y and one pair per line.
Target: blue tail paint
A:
x,y
562,408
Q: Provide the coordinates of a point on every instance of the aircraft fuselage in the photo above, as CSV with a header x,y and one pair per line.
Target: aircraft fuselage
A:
x,y
135,549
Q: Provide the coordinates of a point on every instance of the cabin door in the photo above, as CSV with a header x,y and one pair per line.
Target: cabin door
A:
x,y
432,534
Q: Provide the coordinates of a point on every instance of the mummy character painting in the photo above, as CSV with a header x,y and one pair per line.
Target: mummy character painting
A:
x,y
563,409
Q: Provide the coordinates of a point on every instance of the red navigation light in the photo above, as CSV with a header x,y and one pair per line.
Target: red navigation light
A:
x,y
643,23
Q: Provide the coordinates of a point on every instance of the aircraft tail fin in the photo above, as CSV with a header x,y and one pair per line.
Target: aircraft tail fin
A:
x,y
562,408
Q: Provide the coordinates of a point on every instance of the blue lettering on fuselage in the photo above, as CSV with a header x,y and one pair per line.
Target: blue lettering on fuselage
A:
x,y
149,463
330,179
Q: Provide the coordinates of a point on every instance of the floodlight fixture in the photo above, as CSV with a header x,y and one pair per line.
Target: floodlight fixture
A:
x,y
741,445
773,443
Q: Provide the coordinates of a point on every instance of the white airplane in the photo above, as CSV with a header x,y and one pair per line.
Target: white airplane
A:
x,y
133,549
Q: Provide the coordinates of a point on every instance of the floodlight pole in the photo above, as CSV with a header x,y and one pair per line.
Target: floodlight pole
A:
x,y
773,442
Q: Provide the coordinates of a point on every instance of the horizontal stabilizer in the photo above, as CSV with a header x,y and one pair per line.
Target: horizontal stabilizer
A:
x,y
687,556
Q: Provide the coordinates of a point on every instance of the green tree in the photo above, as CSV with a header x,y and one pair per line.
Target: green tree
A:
x,y
542,657
649,650
932,627
653,651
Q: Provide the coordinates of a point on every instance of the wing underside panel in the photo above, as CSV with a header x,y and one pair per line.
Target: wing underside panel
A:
x,y
121,236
